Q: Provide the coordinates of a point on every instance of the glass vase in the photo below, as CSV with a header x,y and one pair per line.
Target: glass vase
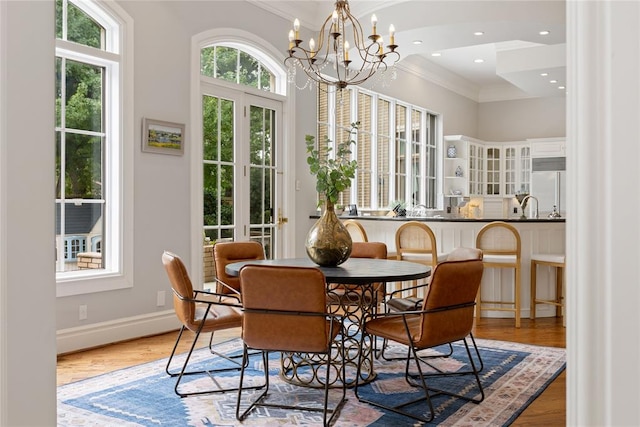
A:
x,y
328,242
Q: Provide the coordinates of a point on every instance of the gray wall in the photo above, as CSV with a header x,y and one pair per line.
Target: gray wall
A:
x,y
27,283
522,119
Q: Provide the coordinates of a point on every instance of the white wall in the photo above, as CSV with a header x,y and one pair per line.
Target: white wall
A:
x,y
28,368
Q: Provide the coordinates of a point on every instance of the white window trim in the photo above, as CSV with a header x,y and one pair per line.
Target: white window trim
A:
x,y
74,283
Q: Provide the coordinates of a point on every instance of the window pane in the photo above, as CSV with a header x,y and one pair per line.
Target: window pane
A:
x,y
82,29
83,167
262,177
84,86
207,62
401,152
249,70
267,79
218,195
82,232
226,63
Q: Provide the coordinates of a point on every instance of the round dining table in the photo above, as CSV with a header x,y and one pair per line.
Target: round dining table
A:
x,y
354,303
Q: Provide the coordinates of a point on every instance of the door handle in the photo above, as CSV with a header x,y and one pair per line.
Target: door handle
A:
x,y
281,220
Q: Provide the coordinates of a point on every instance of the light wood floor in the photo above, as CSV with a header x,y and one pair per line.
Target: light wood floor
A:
x,y
547,410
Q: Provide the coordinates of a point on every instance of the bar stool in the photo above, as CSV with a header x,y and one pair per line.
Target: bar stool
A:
x,y
356,230
500,244
416,242
550,260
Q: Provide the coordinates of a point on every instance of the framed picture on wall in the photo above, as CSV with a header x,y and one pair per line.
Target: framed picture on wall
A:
x,y
162,137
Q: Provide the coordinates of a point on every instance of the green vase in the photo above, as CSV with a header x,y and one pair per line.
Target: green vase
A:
x,y
328,242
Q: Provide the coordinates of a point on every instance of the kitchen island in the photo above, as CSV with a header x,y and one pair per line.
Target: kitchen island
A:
x,y
537,236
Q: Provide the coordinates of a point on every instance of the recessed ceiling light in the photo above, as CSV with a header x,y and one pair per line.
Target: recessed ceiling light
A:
x,y
553,81
544,32
544,74
478,61
417,42
478,33
436,54
560,87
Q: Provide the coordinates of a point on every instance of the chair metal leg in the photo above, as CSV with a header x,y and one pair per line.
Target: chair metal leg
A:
x,y
265,361
185,372
419,380
325,409
411,378
398,408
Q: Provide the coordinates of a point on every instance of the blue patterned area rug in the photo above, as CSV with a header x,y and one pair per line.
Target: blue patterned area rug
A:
x,y
513,376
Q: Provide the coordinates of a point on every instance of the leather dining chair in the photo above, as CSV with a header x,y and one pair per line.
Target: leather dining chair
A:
x,y
225,253
445,317
398,303
337,293
199,312
285,310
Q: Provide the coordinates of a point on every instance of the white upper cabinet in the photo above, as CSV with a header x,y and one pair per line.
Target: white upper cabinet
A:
x,y
488,169
463,166
517,168
547,147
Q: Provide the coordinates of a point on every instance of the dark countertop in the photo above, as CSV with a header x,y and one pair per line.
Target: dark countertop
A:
x,y
443,219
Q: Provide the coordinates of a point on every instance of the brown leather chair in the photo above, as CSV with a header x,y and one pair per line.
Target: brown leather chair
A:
x,y
199,312
414,303
396,303
446,316
285,310
226,253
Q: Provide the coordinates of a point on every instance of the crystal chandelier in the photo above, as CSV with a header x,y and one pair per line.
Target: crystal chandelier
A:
x,y
340,37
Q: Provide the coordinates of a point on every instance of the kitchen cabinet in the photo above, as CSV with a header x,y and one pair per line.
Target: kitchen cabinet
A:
x,y
476,169
548,147
517,168
464,173
489,168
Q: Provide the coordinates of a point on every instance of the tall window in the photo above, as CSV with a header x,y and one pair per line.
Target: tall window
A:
x,y
88,137
396,147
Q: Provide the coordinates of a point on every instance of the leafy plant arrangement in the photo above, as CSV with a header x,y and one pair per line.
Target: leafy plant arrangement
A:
x,y
333,174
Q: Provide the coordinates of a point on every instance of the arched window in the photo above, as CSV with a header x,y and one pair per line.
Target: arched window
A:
x,y
237,66
90,130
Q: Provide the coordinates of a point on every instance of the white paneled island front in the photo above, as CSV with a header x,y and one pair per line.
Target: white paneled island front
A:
x,y
537,236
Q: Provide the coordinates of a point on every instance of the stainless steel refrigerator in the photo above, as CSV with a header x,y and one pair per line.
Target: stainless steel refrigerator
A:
x,y
548,183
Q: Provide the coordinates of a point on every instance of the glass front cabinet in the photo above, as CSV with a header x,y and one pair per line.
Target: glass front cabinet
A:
x,y
477,168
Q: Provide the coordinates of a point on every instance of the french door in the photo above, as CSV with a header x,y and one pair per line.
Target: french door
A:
x,y
241,154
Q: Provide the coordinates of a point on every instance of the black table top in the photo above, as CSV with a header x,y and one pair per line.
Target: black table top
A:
x,y
353,271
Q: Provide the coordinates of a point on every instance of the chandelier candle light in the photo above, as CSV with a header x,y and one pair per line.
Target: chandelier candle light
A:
x,y
334,48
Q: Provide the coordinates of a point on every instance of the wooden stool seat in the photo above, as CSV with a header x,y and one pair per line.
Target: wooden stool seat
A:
x,y
549,260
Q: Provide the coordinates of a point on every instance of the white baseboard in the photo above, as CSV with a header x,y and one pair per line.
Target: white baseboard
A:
x,y
97,334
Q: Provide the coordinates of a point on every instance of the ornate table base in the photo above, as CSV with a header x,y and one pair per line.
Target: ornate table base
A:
x,y
353,302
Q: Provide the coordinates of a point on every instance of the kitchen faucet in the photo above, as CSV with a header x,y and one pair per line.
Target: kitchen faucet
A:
x,y
524,203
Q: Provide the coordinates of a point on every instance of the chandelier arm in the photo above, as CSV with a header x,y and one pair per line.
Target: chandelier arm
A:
x,y
333,48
